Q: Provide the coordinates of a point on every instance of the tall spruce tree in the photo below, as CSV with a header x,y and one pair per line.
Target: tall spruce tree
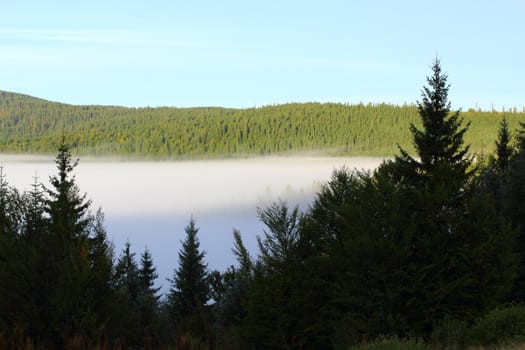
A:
x,y
67,251
189,290
34,236
35,222
148,297
127,274
126,323
439,144
503,148
100,291
420,243
10,273
67,209
513,192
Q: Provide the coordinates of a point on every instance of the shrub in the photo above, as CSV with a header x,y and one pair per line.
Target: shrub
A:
x,y
501,326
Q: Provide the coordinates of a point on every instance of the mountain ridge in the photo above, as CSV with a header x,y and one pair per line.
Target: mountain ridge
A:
x,y
30,124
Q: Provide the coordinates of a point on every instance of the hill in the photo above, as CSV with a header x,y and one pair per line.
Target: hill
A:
x,y
33,125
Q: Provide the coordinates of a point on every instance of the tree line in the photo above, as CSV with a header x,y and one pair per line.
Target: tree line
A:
x,y
30,125
429,246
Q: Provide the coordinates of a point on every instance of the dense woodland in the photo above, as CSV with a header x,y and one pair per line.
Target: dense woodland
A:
x,y
428,250
30,125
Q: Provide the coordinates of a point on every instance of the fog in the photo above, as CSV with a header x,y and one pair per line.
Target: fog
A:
x,y
150,203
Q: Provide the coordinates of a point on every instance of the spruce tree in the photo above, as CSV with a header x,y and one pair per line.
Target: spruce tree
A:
x,y
127,274
420,243
34,238
189,290
503,148
126,320
521,141
286,304
11,274
67,209
513,192
100,289
67,251
439,144
278,244
10,208
34,210
148,297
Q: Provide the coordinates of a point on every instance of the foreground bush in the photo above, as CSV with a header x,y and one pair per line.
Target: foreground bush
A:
x,y
501,326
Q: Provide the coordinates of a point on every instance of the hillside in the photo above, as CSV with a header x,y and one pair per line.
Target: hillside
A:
x,y
32,125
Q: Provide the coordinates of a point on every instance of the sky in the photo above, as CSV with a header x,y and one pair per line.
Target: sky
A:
x,y
252,53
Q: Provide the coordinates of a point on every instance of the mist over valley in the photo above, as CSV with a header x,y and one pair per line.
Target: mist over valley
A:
x,y
150,203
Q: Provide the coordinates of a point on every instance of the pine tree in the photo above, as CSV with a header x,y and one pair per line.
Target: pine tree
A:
x,y
127,274
10,208
189,290
286,303
521,141
513,206
66,208
503,149
11,273
34,221
420,242
67,251
440,143
126,315
100,289
33,239
148,297
279,242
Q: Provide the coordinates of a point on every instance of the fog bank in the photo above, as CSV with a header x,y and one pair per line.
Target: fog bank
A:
x,y
150,203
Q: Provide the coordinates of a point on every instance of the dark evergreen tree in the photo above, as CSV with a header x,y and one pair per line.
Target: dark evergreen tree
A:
x,y
521,140
494,176
512,190
190,290
229,291
35,221
286,305
126,321
34,258
148,297
67,252
10,208
439,145
11,302
67,209
127,274
420,243
100,291
503,148
279,242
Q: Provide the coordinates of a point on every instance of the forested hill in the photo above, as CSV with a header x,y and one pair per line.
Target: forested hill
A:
x,y
32,125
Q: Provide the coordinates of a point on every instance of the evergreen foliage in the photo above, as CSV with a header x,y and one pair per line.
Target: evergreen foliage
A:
x,y
414,242
33,125
429,246
148,298
127,274
229,291
279,242
503,147
189,292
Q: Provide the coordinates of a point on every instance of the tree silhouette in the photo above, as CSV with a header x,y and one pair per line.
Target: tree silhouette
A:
x,y
189,290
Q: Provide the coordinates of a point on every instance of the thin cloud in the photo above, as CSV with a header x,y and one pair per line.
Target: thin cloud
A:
x,y
26,37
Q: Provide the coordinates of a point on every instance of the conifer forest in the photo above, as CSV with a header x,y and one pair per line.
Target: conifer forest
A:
x,y
427,251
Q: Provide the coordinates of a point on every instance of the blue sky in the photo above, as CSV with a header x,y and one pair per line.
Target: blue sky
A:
x,y
252,53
